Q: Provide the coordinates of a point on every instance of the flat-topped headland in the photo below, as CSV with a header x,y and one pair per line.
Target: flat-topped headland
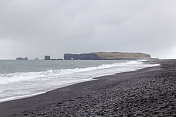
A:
x,y
146,93
106,56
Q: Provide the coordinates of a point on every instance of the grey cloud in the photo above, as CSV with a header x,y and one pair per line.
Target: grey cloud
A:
x,y
37,27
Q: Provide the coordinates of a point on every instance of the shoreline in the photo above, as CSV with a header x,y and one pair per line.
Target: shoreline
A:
x,y
97,98
144,63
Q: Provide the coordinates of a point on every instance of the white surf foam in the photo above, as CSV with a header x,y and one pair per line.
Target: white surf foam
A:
x,y
20,85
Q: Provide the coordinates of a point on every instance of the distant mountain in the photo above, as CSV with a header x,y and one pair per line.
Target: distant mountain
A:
x,y
106,56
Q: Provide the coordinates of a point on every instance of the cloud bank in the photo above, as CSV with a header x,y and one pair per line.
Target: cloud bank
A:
x,y
35,28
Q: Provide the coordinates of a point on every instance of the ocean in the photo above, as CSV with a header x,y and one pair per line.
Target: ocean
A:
x,y
20,79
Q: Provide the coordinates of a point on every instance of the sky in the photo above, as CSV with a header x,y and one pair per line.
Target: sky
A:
x,y
35,28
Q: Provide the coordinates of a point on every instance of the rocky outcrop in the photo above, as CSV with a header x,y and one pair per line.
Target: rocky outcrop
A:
x,y
86,56
71,56
106,56
47,58
20,58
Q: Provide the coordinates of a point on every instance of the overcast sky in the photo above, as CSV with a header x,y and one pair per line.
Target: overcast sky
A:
x,y
35,28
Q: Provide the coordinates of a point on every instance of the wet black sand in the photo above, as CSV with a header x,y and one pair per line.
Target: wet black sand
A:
x,y
145,93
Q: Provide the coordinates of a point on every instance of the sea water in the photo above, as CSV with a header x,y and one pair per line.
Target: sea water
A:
x,y
19,79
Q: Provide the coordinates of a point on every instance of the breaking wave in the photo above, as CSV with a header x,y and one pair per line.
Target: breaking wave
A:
x,y
22,84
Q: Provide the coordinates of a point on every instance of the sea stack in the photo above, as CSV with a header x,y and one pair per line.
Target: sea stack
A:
x,y
47,58
20,58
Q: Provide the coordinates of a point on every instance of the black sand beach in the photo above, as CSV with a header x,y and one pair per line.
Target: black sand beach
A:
x,y
144,93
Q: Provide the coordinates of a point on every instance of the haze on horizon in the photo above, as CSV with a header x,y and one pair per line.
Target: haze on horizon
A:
x,y
35,28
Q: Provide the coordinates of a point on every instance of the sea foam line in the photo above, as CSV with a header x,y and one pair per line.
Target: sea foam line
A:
x,y
26,76
41,82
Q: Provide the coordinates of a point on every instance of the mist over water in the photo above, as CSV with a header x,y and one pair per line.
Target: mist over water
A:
x,y
19,79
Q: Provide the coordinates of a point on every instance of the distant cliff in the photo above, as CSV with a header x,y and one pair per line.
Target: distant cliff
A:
x,y
106,56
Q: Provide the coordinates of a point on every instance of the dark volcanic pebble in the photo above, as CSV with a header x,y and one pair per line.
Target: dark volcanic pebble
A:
x,y
150,92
